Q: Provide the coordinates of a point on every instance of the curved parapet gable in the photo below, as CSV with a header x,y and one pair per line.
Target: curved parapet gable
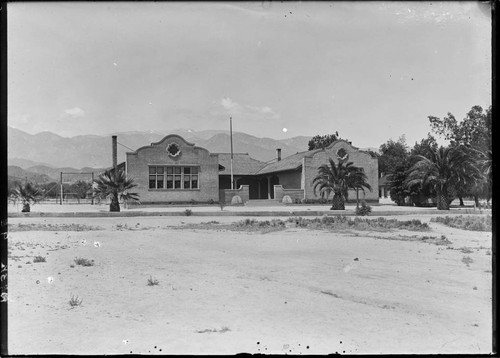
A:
x,y
170,138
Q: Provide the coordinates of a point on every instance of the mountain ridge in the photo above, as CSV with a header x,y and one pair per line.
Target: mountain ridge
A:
x,y
52,150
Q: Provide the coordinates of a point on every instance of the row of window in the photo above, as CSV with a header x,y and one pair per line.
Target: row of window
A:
x,y
164,177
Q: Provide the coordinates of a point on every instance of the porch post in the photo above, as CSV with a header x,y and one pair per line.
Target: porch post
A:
x,y
268,187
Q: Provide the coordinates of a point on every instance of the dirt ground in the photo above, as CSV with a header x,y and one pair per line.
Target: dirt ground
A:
x,y
296,291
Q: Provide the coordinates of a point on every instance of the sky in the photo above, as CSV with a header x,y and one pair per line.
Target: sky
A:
x,y
372,71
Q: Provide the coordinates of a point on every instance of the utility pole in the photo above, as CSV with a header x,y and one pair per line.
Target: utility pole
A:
x,y
231,137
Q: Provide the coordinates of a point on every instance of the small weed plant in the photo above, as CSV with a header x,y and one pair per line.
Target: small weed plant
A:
x,y
83,262
39,259
326,222
467,260
75,302
152,281
188,212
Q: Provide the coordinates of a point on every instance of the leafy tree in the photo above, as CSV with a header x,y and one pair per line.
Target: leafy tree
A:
x,y
444,170
28,194
50,190
474,130
392,155
322,141
474,133
338,179
115,187
425,147
81,188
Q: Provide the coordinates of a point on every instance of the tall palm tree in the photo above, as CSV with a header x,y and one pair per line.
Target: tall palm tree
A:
x,y
445,169
116,188
29,194
338,179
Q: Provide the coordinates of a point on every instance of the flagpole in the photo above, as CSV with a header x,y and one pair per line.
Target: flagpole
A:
x,y
231,137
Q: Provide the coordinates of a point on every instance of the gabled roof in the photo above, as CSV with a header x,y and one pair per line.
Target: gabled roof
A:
x,y
291,162
243,164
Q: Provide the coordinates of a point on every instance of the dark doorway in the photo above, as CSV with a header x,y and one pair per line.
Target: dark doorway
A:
x,y
274,181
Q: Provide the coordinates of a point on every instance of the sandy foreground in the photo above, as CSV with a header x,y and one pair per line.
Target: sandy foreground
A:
x,y
297,291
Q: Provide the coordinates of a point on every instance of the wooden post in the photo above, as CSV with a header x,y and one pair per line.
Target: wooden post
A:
x,y
60,199
92,202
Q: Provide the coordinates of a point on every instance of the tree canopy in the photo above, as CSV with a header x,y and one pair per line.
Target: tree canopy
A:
x,y
323,141
392,155
473,131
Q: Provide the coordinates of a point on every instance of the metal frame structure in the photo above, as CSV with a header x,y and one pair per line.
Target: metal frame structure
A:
x,y
62,190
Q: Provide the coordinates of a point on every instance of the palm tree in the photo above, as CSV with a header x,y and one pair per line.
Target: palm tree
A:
x,y
358,181
116,188
338,179
445,169
29,194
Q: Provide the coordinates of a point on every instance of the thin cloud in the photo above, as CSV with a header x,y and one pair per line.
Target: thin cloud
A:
x,y
248,111
75,112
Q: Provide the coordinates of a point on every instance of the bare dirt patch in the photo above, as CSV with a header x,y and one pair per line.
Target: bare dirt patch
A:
x,y
295,291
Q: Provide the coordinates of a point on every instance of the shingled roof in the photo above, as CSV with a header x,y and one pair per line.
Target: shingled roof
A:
x,y
243,164
291,162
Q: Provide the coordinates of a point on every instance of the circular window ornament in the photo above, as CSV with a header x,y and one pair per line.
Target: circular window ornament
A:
x,y
173,150
342,154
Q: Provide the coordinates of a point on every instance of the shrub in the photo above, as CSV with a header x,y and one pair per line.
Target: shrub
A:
x,y
152,282
467,260
364,209
188,212
39,259
83,262
74,301
472,223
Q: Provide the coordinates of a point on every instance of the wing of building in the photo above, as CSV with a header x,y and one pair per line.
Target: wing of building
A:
x,y
174,170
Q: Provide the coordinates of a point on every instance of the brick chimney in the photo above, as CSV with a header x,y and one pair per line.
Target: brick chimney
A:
x,y
278,154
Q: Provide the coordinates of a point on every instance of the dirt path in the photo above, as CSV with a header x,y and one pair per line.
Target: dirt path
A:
x,y
295,291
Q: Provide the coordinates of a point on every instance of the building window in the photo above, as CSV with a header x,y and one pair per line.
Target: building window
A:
x,y
173,177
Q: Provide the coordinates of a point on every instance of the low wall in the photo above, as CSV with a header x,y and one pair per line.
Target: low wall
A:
x,y
243,191
280,192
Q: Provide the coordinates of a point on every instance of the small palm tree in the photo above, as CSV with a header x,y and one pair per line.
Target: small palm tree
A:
x,y
29,194
358,181
338,179
445,169
116,188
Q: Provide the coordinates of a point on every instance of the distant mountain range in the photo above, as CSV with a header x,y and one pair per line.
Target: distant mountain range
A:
x,y
41,157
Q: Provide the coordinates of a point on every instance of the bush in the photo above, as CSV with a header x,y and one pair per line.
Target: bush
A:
x,y
83,262
364,209
472,223
39,259
188,212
